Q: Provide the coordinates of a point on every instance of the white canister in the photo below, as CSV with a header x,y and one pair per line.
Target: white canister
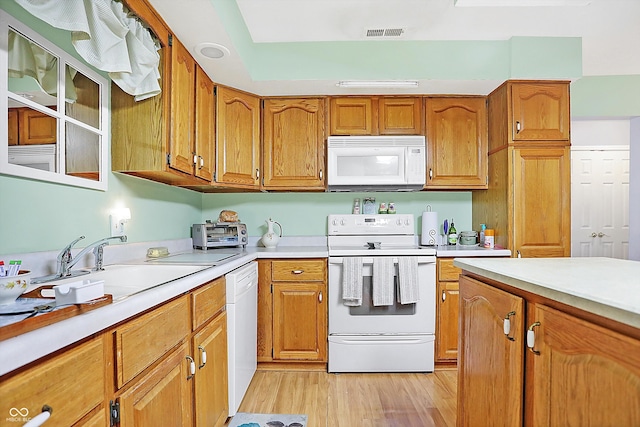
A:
x,y
430,228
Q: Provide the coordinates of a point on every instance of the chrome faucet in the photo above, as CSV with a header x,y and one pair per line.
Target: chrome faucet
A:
x,y
65,261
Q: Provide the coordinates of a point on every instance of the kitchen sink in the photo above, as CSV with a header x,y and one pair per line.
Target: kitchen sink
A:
x,y
121,280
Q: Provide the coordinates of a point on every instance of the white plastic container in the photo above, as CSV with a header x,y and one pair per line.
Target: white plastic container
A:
x,y
78,292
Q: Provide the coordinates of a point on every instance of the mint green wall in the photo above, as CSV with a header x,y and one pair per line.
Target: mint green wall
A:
x,y
43,216
519,57
305,214
606,96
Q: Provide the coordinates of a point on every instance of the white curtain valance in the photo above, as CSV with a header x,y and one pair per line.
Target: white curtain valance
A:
x,y
107,37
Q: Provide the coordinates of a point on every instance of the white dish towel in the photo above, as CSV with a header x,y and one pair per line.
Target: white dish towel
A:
x,y
408,279
383,284
352,281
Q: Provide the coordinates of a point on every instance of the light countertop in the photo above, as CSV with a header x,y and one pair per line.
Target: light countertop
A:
x,y
604,286
449,251
136,286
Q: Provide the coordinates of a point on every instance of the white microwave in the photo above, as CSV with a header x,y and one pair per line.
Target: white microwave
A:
x,y
376,163
41,157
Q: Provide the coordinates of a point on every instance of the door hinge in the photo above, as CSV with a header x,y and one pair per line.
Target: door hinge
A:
x,y
170,39
215,90
114,413
272,288
215,177
272,353
168,158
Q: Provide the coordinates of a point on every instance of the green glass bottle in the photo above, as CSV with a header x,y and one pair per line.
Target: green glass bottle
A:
x,y
453,234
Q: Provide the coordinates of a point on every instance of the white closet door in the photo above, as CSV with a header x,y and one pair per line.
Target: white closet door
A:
x,y
600,202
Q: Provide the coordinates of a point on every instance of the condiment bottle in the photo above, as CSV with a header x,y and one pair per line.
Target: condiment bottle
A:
x,y
482,228
489,235
453,235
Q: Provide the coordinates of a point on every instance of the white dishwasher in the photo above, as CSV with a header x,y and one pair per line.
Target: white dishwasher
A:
x,y
242,331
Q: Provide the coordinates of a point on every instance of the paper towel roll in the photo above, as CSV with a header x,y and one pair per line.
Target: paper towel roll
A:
x,y
430,229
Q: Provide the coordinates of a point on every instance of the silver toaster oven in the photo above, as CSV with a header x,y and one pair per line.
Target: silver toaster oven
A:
x,y
219,235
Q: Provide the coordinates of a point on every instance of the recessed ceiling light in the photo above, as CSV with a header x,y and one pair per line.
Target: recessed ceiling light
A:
x,y
377,83
212,50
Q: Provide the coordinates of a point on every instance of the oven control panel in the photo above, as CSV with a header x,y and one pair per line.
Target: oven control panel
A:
x,y
364,224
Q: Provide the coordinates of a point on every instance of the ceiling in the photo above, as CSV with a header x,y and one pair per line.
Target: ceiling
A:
x,y
298,47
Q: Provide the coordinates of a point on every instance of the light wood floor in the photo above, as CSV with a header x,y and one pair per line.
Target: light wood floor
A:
x,y
356,400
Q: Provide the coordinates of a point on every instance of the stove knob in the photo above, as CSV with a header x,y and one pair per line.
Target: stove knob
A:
x,y
334,222
406,222
399,221
342,222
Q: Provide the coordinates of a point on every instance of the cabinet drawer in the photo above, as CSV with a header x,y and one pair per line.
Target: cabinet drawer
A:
x,y
206,301
145,339
299,270
447,272
71,383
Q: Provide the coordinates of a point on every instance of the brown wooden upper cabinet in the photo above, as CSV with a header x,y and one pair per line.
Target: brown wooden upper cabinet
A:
x,y
540,111
183,80
456,143
161,138
192,141
293,144
375,116
238,138
28,127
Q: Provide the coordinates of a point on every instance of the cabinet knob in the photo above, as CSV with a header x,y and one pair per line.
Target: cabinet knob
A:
x,y
257,173
444,296
195,159
321,174
297,271
531,338
320,297
594,234
601,234
518,127
430,173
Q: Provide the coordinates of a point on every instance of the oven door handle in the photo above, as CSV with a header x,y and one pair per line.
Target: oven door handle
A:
x,y
369,260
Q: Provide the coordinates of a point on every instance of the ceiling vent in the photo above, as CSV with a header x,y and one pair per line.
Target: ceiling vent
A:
x,y
384,32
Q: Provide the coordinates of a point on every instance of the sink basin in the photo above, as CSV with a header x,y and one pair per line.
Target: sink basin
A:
x,y
121,280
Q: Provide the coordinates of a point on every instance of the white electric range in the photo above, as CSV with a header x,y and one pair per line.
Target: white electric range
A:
x,y
365,336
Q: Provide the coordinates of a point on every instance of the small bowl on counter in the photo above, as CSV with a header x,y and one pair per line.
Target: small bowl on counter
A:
x,y
12,287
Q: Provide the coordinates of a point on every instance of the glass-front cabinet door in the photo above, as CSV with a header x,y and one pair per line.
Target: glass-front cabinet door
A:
x,y
56,109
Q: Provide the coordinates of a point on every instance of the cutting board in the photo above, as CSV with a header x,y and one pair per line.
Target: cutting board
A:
x,y
12,326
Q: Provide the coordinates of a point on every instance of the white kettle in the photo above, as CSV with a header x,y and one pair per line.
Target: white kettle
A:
x,y
270,239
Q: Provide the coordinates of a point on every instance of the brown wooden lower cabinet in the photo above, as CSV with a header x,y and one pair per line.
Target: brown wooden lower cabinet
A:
x,y
166,367
292,310
162,396
72,383
447,311
573,372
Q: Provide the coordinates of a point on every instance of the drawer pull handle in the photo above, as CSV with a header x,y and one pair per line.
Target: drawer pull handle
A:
x,y
320,297
297,271
192,367
506,325
531,338
444,296
40,419
203,357
518,127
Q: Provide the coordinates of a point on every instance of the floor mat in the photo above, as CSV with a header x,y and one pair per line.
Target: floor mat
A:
x,y
244,419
